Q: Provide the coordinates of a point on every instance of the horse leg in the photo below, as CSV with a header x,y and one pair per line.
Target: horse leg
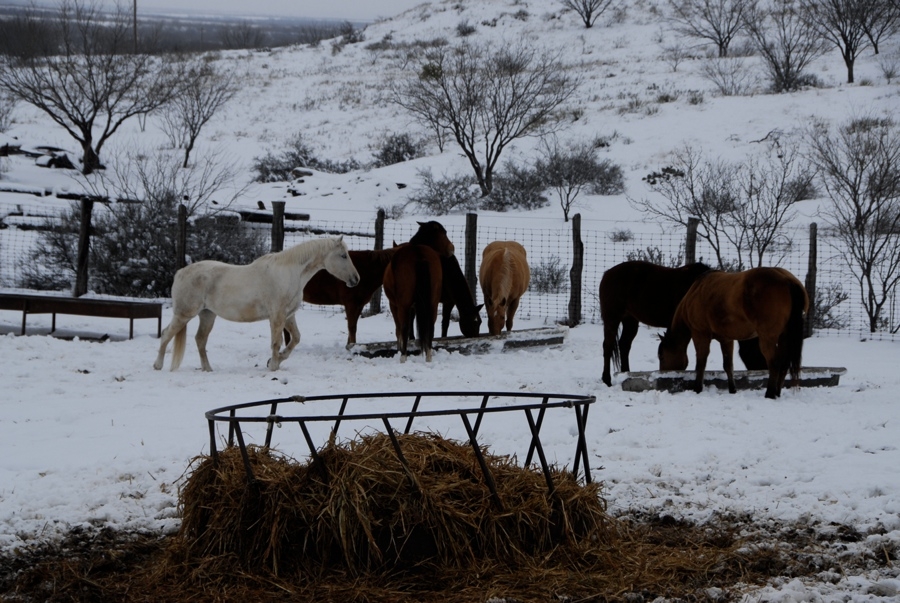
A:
x,y
207,320
175,328
701,347
353,313
446,311
276,326
728,363
610,350
401,330
291,326
511,313
769,349
629,332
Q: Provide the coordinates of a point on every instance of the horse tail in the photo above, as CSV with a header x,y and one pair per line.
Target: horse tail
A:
x,y
791,338
422,296
617,364
178,346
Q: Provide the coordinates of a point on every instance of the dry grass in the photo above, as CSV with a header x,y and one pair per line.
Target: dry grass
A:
x,y
359,526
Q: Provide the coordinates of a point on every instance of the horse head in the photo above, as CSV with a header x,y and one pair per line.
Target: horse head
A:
x,y
338,263
671,353
433,234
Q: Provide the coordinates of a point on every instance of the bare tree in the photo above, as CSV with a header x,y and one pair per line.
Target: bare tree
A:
x,y
859,167
742,207
487,97
85,74
769,187
842,23
787,43
881,20
205,91
692,187
717,21
588,10
567,170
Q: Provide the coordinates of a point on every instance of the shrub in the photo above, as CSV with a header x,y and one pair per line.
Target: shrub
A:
x,y
445,195
398,148
549,276
133,248
298,154
516,187
7,104
464,29
655,255
827,300
608,179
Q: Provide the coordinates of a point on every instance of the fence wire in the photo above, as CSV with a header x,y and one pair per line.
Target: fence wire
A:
x,y
550,255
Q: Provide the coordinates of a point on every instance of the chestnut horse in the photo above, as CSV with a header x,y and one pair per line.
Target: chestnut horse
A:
x,y
324,289
504,276
412,284
455,292
642,292
764,302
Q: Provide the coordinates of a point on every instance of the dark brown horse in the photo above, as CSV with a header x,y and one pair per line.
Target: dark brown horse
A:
x,y
642,292
455,292
325,290
413,285
768,303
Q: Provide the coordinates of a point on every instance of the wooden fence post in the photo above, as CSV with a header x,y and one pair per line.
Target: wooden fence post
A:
x,y
811,279
84,248
575,272
277,226
375,304
181,238
690,242
471,252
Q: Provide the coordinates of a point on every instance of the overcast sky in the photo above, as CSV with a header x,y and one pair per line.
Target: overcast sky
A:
x,y
365,10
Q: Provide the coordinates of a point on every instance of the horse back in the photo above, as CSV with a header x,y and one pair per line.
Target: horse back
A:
x,y
325,289
504,269
647,292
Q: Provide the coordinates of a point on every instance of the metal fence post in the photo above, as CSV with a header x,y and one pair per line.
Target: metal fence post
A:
x,y
181,238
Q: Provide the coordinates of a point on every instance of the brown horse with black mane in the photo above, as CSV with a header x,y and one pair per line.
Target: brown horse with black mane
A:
x,y
766,302
642,292
325,290
413,285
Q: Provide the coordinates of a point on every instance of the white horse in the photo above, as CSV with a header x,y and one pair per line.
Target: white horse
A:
x,y
269,288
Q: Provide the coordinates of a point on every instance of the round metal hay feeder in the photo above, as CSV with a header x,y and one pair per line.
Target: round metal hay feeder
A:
x,y
471,408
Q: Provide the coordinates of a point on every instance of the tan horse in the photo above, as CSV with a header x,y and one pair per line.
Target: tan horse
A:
x,y
270,287
504,276
728,307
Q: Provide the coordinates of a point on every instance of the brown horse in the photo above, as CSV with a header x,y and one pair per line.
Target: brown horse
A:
x,y
455,292
413,285
324,289
504,276
642,292
728,307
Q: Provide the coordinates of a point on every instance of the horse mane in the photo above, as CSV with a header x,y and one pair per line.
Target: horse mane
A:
x,y
304,252
505,272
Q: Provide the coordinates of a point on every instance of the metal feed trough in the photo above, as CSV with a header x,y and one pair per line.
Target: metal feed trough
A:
x,y
240,416
679,381
483,344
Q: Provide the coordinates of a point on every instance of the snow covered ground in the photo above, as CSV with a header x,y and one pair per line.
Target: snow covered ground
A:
x,y
90,434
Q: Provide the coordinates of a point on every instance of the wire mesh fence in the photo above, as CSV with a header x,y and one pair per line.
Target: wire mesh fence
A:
x,y
551,252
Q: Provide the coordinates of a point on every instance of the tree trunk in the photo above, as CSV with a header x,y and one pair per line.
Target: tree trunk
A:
x,y
90,161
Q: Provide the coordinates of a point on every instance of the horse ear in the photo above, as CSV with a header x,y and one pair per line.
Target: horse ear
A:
x,y
420,223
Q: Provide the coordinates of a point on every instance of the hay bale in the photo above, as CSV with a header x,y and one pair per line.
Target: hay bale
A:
x,y
358,508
